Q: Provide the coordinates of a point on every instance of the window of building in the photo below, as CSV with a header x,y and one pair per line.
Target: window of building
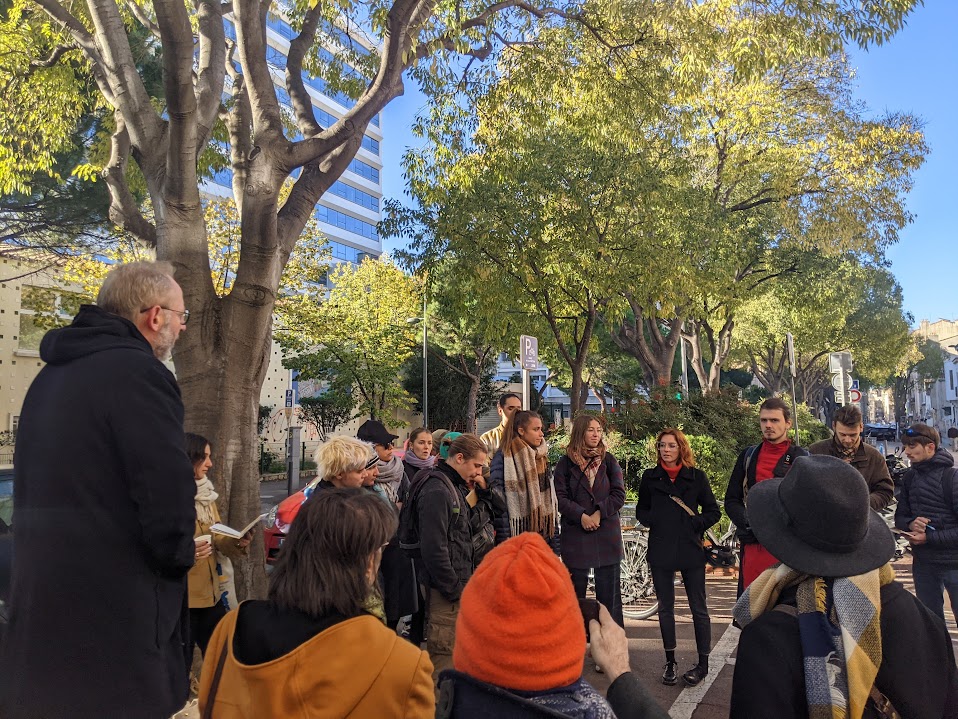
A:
x,y
346,222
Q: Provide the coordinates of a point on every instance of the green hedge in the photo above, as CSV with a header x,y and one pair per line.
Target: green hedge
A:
x,y
718,426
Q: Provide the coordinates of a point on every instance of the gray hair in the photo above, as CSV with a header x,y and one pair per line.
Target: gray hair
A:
x,y
129,288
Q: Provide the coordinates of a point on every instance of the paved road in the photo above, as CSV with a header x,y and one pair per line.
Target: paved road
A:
x,y
271,493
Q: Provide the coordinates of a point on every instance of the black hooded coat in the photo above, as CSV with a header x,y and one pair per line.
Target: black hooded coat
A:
x,y
103,537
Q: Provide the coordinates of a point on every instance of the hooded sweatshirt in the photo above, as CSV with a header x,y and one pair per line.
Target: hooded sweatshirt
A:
x,y
348,668
923,495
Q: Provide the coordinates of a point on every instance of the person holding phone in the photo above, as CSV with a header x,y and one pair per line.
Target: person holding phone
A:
x,y
677,505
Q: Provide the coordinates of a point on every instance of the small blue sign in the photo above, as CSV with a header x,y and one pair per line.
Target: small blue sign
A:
x,y
290,397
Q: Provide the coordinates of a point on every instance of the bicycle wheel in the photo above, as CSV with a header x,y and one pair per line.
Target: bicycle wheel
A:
x,y
638,594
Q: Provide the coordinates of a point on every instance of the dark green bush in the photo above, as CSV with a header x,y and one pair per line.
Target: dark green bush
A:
x,y
719,426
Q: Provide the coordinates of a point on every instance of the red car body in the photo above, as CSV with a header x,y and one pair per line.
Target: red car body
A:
x,y
279,520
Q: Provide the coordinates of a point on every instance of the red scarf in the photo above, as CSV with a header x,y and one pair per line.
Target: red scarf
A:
x,y
673,472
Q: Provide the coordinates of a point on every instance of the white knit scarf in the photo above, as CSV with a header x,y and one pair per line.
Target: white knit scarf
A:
x,y
205,501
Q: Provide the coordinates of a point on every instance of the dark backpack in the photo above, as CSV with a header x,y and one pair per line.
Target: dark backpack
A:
x,y
409,536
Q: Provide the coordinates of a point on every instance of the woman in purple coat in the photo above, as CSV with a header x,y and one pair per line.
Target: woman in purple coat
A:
x,y
590,491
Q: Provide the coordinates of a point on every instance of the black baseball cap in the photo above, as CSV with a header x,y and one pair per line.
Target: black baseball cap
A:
x,y
374,431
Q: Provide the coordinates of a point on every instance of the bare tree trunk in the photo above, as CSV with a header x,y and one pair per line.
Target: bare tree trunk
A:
x,y
471,401
599,392
719,345
642,337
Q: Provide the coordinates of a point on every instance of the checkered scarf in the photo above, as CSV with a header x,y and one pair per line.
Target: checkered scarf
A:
x,y
838,620
529,495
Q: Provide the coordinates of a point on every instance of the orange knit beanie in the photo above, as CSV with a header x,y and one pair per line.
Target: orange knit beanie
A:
x,y
519,623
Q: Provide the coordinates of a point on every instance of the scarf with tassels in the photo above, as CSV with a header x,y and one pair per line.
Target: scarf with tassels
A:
x,y
589,460
529,495
205,502
838,620
391,474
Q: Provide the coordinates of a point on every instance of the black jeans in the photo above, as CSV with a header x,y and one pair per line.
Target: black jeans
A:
x,y
694,579
203,621
608,590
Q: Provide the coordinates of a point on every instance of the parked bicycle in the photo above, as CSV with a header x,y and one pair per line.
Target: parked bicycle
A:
x,y
722,551
638,594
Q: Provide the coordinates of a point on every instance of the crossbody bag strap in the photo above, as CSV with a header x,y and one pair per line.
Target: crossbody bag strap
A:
x,y
215,684
883,705
750,452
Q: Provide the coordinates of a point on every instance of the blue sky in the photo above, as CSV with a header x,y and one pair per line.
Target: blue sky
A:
x,y
916,72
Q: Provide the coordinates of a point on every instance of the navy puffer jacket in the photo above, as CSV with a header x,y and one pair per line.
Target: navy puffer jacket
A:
x,y
922,495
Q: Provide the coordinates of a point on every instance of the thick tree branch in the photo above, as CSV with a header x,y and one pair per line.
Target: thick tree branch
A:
x,y
52,59
240,125
124,210
129,94
315,179
137,11
251,41
298,95
387,85
182,149
84,41
212,67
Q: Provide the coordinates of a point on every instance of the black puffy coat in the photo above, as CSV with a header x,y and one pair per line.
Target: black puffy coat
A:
x,y
104,532
675,538
923,495
445,534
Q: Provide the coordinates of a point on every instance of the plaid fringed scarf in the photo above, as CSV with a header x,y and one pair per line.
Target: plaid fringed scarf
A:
x,y
529,495
588,460
838,620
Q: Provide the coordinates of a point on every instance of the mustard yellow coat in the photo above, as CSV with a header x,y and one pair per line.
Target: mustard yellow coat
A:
x,y
357,668
204,582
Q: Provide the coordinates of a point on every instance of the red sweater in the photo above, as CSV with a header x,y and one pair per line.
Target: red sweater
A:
x,y
755,558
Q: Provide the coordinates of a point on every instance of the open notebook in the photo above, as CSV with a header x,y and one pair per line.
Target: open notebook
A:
x,y
236,533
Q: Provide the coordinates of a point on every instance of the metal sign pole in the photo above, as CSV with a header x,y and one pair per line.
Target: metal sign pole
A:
x,y
528,360
790,342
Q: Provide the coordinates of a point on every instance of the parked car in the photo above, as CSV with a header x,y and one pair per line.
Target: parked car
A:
x,y
886,432
278,521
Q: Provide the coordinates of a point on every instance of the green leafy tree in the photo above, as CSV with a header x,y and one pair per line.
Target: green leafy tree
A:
x,y
174,134
326,412
828,306
448,385
358,339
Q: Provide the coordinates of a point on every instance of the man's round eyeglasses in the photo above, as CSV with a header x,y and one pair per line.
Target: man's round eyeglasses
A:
x,y
184,314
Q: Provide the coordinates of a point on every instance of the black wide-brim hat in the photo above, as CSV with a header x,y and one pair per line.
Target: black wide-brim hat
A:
x,y
817,520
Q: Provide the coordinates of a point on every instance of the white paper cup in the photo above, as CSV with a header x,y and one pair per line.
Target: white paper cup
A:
x,y
203,538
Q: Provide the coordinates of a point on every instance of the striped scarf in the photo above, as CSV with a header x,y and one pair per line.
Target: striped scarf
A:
x,y
838,620
529,496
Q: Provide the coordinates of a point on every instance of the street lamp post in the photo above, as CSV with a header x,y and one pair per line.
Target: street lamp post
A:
x,y
425,361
